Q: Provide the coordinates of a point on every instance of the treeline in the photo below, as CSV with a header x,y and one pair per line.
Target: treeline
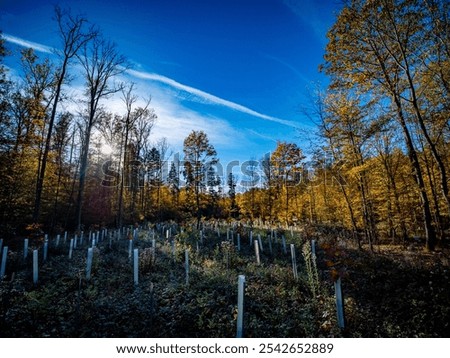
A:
x,y
51,139
68,162
379,167
385,116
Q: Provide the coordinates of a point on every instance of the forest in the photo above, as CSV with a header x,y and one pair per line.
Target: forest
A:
x,y
373,181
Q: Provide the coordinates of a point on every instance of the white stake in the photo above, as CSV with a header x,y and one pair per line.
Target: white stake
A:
x,y
294,262
130,248
45,249
3,267
313,247
25,249
35,267
90,256
258,260
58,237
251,238
65,236
186,259
173,249
339,303
240,316
153,250
75,242
238,236
136,266
71,248
283,242
260,243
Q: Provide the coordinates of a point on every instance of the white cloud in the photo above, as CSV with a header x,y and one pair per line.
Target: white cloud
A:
x,y
207,97
199,95
175,121
29,44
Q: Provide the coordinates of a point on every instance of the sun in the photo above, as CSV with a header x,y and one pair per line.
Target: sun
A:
x,y
106,149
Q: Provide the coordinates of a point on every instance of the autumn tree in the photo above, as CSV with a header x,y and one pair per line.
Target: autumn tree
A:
x,y
199,154
250,181
234,208
62,137
286,161
271,189
173,181
213,182
386,47
22,131
5,136
391,159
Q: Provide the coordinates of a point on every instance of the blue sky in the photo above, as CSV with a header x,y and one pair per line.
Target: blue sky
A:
x,y
238,69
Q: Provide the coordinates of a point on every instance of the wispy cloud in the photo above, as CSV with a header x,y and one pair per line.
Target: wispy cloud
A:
x,y
200,95
310,12
207,97
288,65
25,43
175,120
266,137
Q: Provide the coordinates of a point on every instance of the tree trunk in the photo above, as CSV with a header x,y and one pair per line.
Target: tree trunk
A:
x,y
41,175
430,234
83,170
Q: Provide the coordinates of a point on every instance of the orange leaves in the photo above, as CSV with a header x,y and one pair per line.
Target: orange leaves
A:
x,y
334,274
335,259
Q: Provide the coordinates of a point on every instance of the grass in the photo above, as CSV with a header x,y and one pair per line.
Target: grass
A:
x,y
392,293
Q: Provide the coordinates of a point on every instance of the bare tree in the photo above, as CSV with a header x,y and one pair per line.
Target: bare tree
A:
x,y
73,37
138,122
101,63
